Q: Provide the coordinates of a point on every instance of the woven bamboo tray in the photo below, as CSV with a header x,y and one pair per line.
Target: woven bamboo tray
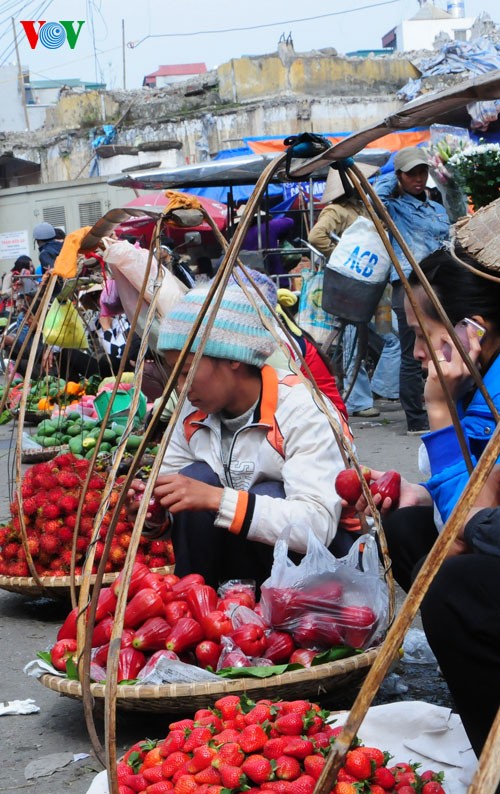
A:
x,y
56,586
32,417
42,454
310,682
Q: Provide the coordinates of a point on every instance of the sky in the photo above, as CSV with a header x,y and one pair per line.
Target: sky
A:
x,y
189,31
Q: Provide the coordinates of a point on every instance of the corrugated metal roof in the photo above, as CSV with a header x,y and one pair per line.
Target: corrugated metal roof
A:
x,y
178,69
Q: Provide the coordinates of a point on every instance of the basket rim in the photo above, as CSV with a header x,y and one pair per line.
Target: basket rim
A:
x,y
56,582
155,692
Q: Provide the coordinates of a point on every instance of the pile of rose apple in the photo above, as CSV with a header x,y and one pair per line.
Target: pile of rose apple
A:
x,y
185,619
269,746
50,494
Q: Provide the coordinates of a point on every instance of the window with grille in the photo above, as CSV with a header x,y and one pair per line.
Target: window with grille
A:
x,y
90,212
55,215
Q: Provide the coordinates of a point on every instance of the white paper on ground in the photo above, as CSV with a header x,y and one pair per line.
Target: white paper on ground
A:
x,y
412,731
415,731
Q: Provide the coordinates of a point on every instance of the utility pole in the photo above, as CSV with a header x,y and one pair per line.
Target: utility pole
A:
x,y
123,56
20,76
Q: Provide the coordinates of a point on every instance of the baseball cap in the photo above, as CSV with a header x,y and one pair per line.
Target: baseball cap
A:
x,y
409,158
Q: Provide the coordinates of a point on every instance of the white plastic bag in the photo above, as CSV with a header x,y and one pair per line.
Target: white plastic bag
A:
x,y
325,601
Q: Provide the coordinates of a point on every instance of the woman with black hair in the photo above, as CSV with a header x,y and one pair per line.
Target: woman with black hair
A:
x,y
463,293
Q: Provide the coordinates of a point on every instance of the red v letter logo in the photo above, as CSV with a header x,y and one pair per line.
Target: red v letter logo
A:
x,y
31,33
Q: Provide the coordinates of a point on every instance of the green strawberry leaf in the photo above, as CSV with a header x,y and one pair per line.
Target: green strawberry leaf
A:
x,y
45,657
72,670
253,672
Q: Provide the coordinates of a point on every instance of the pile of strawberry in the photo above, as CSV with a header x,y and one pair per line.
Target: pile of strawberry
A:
x,y
266,746
184,619
50,496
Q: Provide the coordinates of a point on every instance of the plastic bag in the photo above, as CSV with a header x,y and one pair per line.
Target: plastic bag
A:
x,y
356,273
311,316
109,300
326,601
64,327
131,262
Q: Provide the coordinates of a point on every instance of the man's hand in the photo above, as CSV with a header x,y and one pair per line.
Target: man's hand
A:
x,y
411,495
177,492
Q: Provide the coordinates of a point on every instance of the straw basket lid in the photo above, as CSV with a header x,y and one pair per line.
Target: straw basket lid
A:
x,y
478,235
334,188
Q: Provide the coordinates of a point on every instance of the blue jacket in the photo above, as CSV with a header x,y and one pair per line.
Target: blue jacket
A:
x,y
449,473
424,225
48,253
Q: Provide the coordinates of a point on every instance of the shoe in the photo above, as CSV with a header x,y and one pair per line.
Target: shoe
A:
x,y
385,399
417,431
367,412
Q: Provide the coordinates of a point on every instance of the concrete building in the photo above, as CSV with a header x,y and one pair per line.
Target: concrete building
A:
x,y
420,31
175,73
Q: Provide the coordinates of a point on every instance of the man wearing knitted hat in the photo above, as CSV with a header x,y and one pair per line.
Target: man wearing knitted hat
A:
x,y
251,453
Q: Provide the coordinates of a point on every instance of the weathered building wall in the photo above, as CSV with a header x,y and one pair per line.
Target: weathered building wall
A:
x,y
249,79
274,95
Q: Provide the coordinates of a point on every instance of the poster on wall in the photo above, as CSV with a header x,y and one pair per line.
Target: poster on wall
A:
x,y
14,244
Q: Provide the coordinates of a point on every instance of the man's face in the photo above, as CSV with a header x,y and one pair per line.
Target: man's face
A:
x,y
415,180
213,388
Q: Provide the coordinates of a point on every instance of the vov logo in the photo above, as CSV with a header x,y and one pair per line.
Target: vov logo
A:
x,y
52,35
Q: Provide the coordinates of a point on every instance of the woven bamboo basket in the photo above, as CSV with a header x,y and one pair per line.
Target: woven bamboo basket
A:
x,y
56,586
310,682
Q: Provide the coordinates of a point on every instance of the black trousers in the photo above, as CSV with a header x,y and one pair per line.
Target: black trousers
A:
x,y
460,615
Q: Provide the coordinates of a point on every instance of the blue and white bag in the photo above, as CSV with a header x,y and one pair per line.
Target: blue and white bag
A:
x,y
356,273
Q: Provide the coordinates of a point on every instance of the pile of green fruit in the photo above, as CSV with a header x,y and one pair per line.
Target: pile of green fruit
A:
x,y
80,433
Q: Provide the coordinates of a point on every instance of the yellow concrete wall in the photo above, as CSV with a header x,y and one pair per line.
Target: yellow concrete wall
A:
x,y
82,110
249,79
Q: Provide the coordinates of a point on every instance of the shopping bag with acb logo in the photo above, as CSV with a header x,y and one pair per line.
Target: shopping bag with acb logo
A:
x,y
356,273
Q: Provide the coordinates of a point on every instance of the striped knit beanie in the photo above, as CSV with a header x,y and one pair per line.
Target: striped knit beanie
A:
x,y
237,333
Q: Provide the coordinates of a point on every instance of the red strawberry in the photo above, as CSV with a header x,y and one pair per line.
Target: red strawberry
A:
x,y
161,787
208,775
229,753
173,742
290,724
196,738
313,765
186,784
297,746
305,784
229,706
232,777
378,757
202,758
253,738
259,714
432,787
287,768
173,762
358,764
384,777
258,768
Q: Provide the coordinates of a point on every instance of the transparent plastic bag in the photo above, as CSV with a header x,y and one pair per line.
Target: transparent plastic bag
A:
x,y
325,601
